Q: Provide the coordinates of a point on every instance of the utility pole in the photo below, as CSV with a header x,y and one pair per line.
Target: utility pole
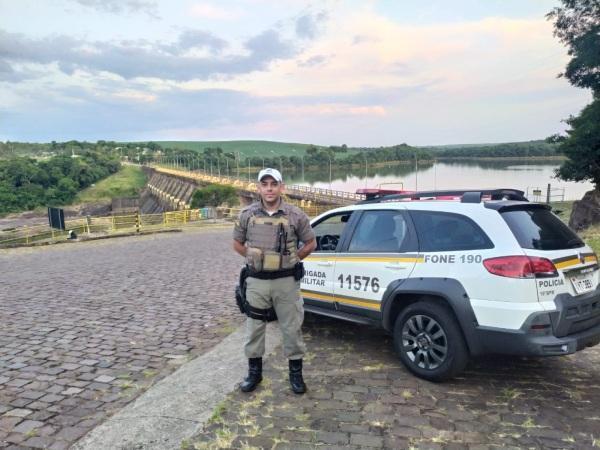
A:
x,y
416,173
329,171
366,169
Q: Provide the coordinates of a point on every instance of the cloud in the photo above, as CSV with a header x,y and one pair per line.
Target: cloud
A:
x,y
362,39
331,109
131,59
213,12
10,75
196,39
120,6
309,25
313,61
93,113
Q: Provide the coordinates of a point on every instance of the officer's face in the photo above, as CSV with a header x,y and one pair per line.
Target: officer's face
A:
x,y
270,190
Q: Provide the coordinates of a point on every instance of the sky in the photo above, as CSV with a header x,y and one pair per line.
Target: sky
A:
x,y
329,72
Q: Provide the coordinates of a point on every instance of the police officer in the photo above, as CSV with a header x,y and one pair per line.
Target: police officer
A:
x,y
267,235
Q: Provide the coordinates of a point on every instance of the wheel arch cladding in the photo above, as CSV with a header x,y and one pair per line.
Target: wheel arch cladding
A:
x,y
401,293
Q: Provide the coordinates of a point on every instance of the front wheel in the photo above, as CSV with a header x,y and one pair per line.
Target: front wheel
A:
x,y
429,341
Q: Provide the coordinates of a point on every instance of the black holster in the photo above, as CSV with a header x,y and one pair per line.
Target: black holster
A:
x,y
299,271
266,315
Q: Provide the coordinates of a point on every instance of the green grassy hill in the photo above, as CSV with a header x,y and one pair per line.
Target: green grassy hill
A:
x,y
125,183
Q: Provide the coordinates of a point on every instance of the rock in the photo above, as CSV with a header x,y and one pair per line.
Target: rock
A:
x,y
586,211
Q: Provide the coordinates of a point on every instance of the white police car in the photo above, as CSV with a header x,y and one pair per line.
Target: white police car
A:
x,y
483,272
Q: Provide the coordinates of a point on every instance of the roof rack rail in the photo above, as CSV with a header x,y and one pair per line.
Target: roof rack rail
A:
x,y
467,195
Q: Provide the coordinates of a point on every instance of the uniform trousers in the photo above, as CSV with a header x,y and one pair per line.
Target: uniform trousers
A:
x,y
284,295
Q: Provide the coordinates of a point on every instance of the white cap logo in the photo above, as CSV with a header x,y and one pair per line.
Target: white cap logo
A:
x,y
271,173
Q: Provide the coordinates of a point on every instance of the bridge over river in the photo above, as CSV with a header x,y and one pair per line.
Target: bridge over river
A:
x,y
175,186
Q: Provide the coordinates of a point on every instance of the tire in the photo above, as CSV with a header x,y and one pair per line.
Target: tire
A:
x,y
429,341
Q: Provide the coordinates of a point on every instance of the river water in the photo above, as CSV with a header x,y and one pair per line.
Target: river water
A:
x,y
519,174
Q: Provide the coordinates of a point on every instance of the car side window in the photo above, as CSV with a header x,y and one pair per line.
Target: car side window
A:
x,y
329,231
379,231
442,232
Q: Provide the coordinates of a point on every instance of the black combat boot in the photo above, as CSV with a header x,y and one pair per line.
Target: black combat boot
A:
x,y
254,375
296,380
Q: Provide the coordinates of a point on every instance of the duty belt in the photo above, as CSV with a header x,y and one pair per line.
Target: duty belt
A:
x,y
272,275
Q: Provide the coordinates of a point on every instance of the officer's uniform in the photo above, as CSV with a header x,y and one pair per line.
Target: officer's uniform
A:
x,y
271,242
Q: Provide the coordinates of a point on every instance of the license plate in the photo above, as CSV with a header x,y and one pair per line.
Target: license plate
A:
x,y
583,283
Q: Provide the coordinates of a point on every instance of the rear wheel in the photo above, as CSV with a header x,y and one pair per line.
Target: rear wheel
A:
x,y
429,341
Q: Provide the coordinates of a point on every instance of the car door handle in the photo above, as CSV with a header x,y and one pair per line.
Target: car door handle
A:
x,y
394,266
325,264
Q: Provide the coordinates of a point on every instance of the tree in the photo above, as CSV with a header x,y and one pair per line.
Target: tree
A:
x,y
577,25
582,147
214,195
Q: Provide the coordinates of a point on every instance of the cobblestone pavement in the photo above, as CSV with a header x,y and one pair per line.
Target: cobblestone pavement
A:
x,y
87,327
360,397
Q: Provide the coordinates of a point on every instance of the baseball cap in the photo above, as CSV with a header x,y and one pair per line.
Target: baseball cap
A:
x,y
272,173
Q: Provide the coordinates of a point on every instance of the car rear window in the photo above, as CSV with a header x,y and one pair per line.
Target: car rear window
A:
x,y
540,229
443,232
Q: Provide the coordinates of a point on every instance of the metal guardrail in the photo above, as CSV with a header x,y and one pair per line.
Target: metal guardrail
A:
x,y
118,224
104,225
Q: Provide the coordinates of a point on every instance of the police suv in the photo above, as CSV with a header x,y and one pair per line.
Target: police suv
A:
x,y
476,273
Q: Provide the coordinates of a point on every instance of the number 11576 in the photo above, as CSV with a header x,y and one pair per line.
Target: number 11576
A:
x,y
359,283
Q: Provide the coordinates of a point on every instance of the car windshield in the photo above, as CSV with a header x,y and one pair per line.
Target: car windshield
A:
x,y
540,229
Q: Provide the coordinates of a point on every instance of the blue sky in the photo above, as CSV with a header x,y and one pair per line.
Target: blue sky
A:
x,y
329,72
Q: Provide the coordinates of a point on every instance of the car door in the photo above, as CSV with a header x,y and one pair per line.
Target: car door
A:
x,y
317,284
381,249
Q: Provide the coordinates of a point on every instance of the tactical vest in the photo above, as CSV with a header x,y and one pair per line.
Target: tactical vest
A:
x,y
271,244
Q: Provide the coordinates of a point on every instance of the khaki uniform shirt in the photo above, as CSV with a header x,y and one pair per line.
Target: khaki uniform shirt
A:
x,y
297,218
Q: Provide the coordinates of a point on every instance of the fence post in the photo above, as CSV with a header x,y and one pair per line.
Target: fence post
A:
x,y
548,194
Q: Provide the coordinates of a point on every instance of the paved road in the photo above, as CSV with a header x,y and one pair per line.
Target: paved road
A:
x,y
86,327
361,397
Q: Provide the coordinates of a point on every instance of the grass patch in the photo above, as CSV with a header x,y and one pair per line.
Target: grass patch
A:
x,y
217,415
31,433
374,367
562,210
224,438
407,394
529,423
125,183
510,394
592,237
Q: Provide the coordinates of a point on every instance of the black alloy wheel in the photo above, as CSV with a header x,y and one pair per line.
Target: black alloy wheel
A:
x,y
429,341
424,342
